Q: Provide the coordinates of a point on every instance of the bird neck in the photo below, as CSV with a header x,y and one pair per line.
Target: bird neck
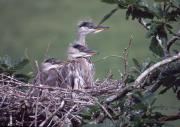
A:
x,y
81,39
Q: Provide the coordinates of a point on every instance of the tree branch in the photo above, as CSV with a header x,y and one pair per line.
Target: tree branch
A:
x,y
121,94
138,83
170,117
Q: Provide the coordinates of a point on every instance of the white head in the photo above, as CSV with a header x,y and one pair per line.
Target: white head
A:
x,y
78,51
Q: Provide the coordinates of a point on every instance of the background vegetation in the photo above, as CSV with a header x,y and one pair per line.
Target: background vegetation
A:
x,y
32,25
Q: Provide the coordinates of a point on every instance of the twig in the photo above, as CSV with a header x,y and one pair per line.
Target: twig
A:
x,y
50,99
103,108
66,115
37,66
47,50
106,57
119,95
54,113
140,79
172,40
125,56
10,120
36,111
4,98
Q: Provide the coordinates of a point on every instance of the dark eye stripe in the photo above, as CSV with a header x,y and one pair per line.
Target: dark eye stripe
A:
x,y
83,24
87,24
49,60
80,48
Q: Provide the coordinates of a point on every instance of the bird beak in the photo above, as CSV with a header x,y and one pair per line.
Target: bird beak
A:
x,y
91,53
100,28
85,54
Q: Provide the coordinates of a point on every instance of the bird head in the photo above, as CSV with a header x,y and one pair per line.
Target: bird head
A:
x,y
87,27
50,63
79,51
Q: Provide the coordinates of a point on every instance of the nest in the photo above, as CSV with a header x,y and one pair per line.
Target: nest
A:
x,y
25,104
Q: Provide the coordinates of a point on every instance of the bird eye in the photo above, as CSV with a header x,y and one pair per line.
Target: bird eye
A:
x,y
87,24
83,24
77,46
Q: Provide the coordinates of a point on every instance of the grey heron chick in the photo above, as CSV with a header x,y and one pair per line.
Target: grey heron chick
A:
x,y
70,73
85,28
78,71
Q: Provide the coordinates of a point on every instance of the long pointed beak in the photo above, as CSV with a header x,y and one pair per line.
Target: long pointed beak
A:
x,y
91,52
100,28
84,54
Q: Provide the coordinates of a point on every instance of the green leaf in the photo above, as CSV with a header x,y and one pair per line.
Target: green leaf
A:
x,y
22,77
159,11
107,16
110,1
19,64
122,4
137,12
148,96
130,79
131,1
136,63
178,1
164,90
169,26
140,106
161,0
153,101
4,65
153,30
155,47
89,111
5,61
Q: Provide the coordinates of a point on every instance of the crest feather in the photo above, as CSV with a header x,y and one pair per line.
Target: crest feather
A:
x,y
84,20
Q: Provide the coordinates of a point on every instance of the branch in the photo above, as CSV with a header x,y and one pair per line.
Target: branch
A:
x,y
53,114
173,40
121,94
138,83
143,23
36,111
106,57
103,108
125,56
170,117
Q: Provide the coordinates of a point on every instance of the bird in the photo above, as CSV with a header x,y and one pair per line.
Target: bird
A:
x,y
66,74
47,73
85,28
77,72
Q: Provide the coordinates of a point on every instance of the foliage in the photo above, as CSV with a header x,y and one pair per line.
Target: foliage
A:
x,y
136,107
157,19
12,67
